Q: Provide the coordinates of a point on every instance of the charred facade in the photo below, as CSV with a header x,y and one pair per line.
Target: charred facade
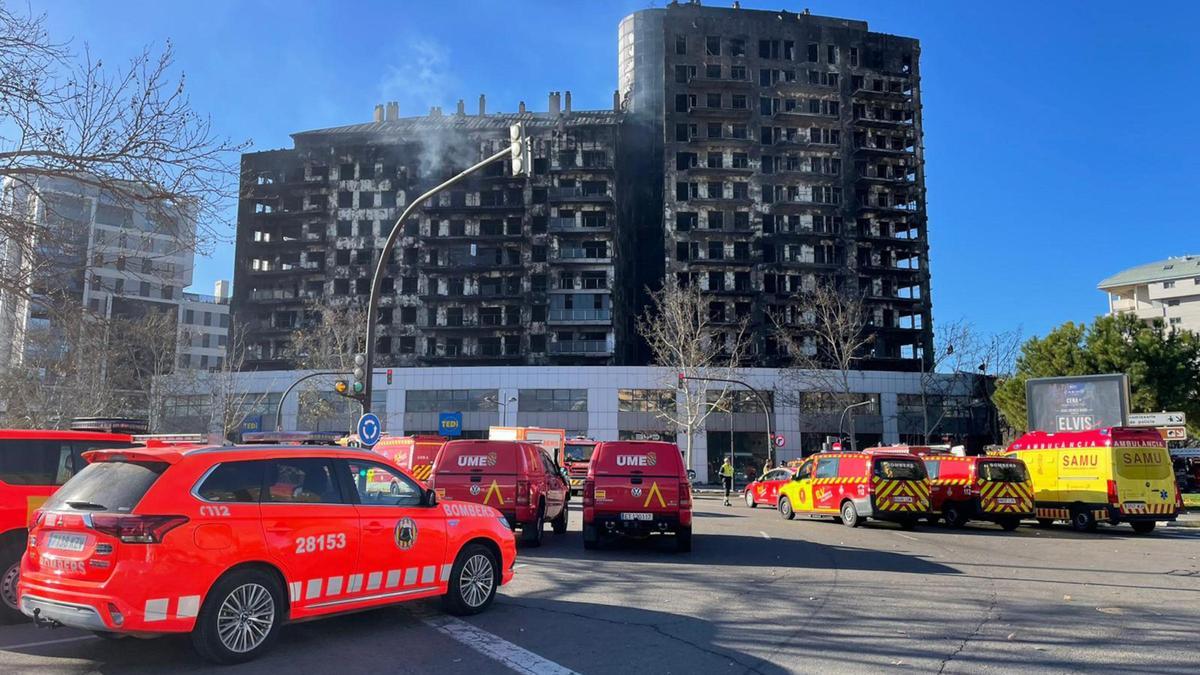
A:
x,y
790,155
498,269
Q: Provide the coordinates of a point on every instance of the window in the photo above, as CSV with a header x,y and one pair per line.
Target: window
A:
x,y
552,400
712,71
114,486
737,47
827,467
345,199
898,469
234,482
537,344
712,45
680,45
854,56
813,52
712,100
714,129
450,400
831,53
303,481
685,221
738,102
1168,284
741,160
737,73
378,485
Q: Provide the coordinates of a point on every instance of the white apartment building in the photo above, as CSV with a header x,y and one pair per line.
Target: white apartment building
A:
x,y
1167,290
110,258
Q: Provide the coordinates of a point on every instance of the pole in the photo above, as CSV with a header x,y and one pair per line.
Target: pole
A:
x,y
279,409
381,268
842,419
761,400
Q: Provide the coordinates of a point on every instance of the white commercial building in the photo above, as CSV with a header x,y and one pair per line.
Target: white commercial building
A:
x,y
112,259
1167,291
622,402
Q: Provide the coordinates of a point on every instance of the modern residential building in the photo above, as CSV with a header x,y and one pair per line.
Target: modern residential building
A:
x,y
204,328
1166,291
497,270
88,250
789,152
624,402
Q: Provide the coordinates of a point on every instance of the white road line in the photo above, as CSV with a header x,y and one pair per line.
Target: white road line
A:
x,y
764,534
518,565
898,534
49,642
517,658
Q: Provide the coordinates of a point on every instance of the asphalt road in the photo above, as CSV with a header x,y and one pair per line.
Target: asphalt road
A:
x,y
757,595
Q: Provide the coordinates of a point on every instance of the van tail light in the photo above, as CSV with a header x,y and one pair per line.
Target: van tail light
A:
x,y
522,493
589,493
132,529
1178,500
685,494
1112,493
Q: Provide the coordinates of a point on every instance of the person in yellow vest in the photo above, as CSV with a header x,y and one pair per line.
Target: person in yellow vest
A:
x,y
726,473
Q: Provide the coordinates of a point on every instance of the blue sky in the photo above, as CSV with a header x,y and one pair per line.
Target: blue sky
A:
x,y
1058,135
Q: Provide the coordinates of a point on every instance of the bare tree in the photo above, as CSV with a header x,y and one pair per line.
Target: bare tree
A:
x,y
130,133
825,336
962,357
684,338
328,338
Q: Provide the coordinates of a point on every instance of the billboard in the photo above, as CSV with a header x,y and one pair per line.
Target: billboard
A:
x,y
1077,403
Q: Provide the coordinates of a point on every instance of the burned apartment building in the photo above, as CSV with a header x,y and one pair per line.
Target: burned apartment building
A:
x,y
790,155
499,269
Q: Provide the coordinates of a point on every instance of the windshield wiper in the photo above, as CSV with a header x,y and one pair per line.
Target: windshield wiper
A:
x,y
87,506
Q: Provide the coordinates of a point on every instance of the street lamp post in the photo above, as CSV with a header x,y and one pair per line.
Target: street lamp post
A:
x,y
853,442
519,151
504,409
761,400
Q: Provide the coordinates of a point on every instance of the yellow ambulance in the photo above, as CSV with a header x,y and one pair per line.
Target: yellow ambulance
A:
x,y
1114,475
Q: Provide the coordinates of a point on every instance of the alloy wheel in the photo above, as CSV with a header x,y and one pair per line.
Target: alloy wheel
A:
x,y
476,580
246,618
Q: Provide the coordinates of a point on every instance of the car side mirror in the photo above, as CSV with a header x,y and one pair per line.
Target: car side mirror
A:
x,y
430,498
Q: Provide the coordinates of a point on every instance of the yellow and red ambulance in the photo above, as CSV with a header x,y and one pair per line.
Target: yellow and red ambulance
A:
x,y
1114,475
880,483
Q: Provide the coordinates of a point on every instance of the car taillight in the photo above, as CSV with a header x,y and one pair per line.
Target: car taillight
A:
x,y
1178,500
132,529
589,493
1112,493
685,494
38,516
522,492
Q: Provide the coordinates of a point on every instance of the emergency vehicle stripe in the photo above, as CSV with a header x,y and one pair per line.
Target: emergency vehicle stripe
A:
x,y
445,572
187,607
393,578
156,609
355,583
374,580
333,586
294,590
410,576
428,574
314,589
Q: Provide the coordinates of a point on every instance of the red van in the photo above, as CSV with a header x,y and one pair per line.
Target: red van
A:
x,y
517,478
996,489
637,488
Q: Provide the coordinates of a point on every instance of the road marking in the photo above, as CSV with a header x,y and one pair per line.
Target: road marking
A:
x,y
906,536
516,658
518,565
50,642
764,534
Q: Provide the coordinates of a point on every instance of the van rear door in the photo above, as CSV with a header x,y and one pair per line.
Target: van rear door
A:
x,y
1145,480
637,479
480,471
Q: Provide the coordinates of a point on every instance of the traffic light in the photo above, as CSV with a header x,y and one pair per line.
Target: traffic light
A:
x,y
522,150
389,376
341,387
359,385
682,377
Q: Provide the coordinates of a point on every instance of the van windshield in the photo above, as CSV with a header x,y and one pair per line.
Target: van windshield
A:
x,y
899,469
1003,472
579,452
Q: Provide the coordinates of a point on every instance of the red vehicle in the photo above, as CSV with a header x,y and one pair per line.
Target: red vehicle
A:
x,y
765,490
516,477
995,489
415,453
577,455
32,466
229,543
878,483
637,488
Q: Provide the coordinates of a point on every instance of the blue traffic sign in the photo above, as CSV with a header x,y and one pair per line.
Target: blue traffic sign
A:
x,y
450,423
369,429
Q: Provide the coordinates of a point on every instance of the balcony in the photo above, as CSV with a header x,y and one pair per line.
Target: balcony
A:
x,y
581,255
898,94
873,150
269,294
883,124
719,113
580,316
577,194
581,347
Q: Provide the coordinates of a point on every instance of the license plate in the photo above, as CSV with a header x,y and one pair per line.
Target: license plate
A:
x,y
66,542
637,516
1006,500
1135,505
902,500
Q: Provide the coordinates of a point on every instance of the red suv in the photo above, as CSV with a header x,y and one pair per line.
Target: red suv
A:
x,y
32,466
517,478
637,488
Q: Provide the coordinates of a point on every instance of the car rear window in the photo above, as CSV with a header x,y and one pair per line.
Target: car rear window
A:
x,y
1003,472
622,458
479,456
108,486
899,469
